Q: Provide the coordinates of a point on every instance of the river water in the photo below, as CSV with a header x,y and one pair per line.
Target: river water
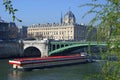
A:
x,y
74,72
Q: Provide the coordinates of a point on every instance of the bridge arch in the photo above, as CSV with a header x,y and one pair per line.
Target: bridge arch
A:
x,y
38,47
32,52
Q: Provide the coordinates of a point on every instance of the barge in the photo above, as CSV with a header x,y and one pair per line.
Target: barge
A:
x,y
46,62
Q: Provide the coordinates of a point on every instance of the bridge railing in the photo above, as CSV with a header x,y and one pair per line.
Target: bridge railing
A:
x,y
56,47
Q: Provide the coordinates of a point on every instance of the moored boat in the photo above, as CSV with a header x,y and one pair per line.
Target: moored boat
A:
x,y
51,61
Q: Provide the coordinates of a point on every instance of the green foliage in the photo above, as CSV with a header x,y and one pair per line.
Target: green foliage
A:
x,y
107,20
9,7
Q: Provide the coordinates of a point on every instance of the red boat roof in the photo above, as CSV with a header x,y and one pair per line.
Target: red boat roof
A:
x,y
45,58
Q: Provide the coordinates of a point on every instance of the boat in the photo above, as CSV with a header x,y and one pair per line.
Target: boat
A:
x,y
47,62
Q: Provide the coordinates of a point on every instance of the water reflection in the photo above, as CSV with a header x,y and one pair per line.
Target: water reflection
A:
x,y
15,75
75,72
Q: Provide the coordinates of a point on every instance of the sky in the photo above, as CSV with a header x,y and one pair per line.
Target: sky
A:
x,y
45,11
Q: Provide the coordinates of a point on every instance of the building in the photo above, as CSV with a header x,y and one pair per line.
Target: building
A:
x,y
4,30
22,32
8,31
91,34
68,29
13,31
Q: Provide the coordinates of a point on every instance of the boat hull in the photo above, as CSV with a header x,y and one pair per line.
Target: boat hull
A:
x,y
47,63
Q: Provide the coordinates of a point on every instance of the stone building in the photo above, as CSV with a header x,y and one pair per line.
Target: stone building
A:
x,y
8,31
68,29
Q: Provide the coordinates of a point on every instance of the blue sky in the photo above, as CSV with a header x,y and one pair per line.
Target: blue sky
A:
x,y
45,11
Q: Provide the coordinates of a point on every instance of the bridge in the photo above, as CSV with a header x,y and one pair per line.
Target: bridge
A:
x,y
45,48
35,48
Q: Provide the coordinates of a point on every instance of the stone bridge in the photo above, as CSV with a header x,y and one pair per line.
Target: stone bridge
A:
x,y
35,48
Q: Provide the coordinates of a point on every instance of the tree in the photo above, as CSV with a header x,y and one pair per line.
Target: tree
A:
x,y
38,36
107,19
9,7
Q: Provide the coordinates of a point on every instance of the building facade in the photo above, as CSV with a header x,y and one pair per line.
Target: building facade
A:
x,y
22,32
3,30
68,29
8,31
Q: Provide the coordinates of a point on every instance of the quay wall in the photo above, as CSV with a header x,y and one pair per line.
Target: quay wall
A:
x,y
9,49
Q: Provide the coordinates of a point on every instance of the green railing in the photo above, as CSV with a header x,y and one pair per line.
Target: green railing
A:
x,y
72,45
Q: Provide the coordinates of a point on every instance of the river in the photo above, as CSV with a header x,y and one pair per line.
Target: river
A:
x,y
74,72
